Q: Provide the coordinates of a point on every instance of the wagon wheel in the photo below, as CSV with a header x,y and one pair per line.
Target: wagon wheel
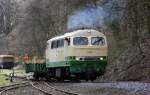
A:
x,y
48,78
36,76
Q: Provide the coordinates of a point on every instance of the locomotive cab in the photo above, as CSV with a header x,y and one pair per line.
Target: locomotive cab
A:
x,y
87,55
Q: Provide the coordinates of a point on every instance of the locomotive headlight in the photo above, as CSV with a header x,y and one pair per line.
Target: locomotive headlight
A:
x,y
101,58
77,58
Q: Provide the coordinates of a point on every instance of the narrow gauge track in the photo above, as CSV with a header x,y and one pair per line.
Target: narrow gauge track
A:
x,y
50,90
14,86
41,86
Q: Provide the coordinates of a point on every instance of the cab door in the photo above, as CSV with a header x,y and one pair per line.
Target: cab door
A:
x,y
67,42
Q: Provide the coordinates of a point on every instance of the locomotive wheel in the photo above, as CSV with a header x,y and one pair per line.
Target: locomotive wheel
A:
x,y
92,79
86,80
87,76
90,76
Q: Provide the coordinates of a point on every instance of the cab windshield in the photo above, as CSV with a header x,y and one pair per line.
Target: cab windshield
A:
x,y
97,41
80,41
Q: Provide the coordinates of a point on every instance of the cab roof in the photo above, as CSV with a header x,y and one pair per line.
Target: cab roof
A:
x,y
85,32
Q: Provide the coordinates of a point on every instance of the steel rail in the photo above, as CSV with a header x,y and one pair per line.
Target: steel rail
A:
x,y
61,90
33,85
14,86
53,89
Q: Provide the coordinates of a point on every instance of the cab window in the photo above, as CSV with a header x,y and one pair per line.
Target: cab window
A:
x,y
97,41
80,41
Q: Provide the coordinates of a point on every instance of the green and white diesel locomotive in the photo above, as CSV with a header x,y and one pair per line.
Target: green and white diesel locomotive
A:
x,y
81,54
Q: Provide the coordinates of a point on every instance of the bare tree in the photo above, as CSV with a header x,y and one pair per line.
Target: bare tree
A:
x,y
7,12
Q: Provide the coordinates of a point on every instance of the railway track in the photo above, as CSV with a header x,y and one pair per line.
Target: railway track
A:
x,y
14,86
50,90
41,86
46,88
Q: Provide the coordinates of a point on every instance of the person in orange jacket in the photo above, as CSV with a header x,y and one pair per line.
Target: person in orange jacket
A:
x,y
26,58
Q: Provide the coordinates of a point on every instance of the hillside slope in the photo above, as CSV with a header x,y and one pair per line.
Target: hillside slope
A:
x,y
132,65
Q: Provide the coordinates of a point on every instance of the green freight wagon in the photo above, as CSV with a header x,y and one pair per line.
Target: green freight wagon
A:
x,y
38,68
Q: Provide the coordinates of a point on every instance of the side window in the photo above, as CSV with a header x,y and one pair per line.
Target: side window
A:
x,y
57,43
54,44
60,43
